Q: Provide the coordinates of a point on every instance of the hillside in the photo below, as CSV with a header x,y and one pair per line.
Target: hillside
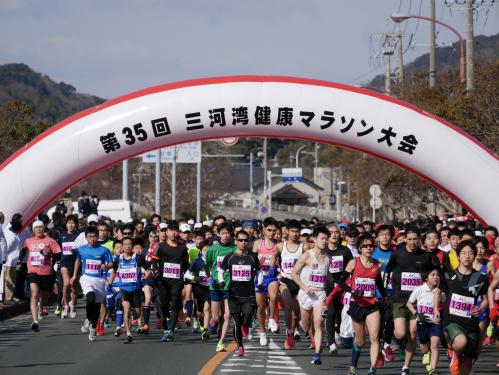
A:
x,y
51,101
485,48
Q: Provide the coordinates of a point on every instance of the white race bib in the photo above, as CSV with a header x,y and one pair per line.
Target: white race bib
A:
x,y
426,310
220,259
67,248
241,272
461,305
366,285
264,263
93,266
128,275
410,280
203,278
336,264
37,259
317,281
288,265
171,270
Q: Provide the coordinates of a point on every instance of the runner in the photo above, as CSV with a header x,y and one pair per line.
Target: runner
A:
x,y
422,304
462,288
485,268
407,263
310,274
92,260
242,268
198,274
289,252
266,283
113,295
451,261
171,262
382,253
42,251
193,252
129,265
493,295
149,283
220,281
71,240
340,256
366,278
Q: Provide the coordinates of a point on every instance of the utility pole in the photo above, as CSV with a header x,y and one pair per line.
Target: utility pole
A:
x,y
316,162
157,178
198,191
264,168
387,52
124,181
269,178
400,53
433,72
174,182
469,45
251,178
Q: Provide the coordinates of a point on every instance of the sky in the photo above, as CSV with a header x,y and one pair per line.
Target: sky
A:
x,y
114,47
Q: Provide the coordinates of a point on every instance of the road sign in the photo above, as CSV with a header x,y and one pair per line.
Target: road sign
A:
x,y
375,190
186,153
375,202
229,141
292,175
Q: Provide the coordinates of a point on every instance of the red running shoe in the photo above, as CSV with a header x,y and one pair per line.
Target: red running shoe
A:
x,y
388,354
380,362
100,329
159,325
290,341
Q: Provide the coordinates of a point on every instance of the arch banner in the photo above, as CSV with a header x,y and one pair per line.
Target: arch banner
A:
x,y
250,106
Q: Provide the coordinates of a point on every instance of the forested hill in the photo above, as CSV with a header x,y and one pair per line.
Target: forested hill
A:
x,y
51,101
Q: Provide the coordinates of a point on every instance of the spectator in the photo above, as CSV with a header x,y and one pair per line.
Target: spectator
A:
x,y
94,203
61,208
3,242
84,205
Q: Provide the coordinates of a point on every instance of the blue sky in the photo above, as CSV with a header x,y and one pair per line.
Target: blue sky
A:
x,y
110,48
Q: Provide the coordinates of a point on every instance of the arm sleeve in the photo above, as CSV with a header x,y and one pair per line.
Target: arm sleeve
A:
x,y
257,262
116,263
142,263
343,282
225,263
380,285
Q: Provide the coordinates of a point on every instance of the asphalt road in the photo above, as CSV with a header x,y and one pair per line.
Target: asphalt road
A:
x,y
60,348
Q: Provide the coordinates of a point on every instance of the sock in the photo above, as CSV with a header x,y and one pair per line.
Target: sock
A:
x,y
188,307
146,313
119,318
355,354
386,345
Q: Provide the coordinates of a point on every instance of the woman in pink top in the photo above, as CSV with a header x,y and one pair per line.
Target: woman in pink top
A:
x,y
42,251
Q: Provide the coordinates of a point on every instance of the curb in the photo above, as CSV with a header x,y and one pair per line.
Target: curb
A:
x,y
7,312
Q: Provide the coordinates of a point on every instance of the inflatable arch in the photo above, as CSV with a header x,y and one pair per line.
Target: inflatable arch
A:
x,y
250,106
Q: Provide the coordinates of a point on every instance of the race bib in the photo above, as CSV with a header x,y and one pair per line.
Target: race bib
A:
x,y
171,270
220,259
366,286
496,294
461,306
203,278
264,263
410,280
317,281
288,265
128,275
37,259
336,264
241,272
426,310
67,248
93,266
346,299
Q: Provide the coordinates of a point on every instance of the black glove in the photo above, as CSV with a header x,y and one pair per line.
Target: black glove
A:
x,y
421,317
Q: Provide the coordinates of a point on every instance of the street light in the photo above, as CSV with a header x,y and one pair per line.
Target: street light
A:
x,y
298,155
401,17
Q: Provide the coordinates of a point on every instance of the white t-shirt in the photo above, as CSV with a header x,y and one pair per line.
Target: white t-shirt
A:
x,y
424,297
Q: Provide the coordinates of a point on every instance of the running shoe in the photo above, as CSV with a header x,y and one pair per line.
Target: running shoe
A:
x,y
167,336
337,338
144,329
187,322
35,327
372,371
333,350
263,338
250,334
273,326
352,371
316,359
128,339
490,330
85,326
380,362
106,323
404,371
92,334
118,332
240,352
432,372
58,311
205,335
72,311
454,365
100,329
254,324
290,341
159,325
45,311
426,358
312,343
487,341
40,314
388,354
64,313
296,335
195,326
220,346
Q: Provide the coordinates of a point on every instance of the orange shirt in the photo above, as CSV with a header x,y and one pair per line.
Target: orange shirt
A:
x,y
37,263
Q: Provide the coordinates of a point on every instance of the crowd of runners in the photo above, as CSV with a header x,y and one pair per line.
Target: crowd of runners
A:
x,y
423,282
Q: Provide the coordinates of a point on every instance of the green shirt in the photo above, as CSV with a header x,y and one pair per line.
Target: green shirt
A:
x,y
193,254
214,257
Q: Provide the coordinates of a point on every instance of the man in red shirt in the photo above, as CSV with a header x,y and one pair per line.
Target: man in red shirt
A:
x,y
42,251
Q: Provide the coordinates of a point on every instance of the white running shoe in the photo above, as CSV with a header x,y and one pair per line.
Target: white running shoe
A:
x,y
249,336
273,326
65,312
337,338
85,326
263,339
92,335
72,311
333,350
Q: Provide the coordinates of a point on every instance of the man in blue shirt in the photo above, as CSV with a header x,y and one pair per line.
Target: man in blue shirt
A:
x,y
92,259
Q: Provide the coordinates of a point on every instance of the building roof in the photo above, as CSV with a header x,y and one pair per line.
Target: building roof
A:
x,y
289,191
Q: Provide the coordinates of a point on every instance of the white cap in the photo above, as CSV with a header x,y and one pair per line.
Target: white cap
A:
x,y
93,218
198,225
306,231
38,223
144,221
207,223
129,220
191,222
185,227
478,233
163,226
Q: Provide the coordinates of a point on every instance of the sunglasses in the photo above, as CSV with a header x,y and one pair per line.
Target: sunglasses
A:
x,y
242,240
127,233
368,246
271,230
